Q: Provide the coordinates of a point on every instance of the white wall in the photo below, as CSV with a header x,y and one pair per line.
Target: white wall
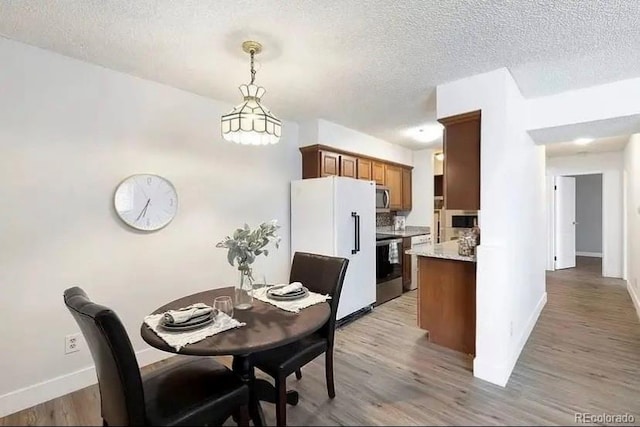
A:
x,y
589,215
632,170
611,167
69,133
334,135
422,189
510,283
593,104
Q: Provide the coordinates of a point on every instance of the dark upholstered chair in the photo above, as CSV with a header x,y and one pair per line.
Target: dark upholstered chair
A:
x,y
188,391
324,275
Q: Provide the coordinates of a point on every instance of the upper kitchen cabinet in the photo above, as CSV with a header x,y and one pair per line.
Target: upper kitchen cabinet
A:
x,y
377,170
321,160
462,161
393,180
317,163
406,189
348,166
364,169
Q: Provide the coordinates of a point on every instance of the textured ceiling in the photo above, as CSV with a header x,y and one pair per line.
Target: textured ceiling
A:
x,y
600,145
369,65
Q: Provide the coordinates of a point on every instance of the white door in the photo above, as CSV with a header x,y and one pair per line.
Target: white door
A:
x,y
565,222
355,211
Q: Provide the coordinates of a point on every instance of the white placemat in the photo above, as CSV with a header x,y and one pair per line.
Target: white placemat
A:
x,y
292,306
178,340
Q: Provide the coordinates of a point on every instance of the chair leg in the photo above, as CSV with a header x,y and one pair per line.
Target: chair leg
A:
x,y
298,374
243,416
281,400
329,373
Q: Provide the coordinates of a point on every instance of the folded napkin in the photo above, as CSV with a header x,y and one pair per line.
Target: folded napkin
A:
x,y
178,339
187,313
295,286
293,306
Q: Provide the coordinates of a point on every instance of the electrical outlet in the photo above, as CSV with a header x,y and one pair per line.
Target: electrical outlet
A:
x,y
71,343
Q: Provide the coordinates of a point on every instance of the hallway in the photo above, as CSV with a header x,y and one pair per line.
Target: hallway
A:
x,y
585,350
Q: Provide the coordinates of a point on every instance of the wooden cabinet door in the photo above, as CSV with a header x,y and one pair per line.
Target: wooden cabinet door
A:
x,y
377,170
438,188
364,169
329,163
447,302
348,166
406,263
393,180
462,161
406,189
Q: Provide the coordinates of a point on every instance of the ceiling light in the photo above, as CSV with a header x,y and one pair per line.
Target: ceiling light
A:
x,y
439,156
426,133
582,141
251,123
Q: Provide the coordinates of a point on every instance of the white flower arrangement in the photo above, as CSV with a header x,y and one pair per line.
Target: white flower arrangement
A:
x,y
246,244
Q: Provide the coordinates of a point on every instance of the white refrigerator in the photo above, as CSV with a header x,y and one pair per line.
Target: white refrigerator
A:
x,y
335,216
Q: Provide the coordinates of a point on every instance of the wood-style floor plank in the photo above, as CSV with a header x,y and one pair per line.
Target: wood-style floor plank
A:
x,y
583,356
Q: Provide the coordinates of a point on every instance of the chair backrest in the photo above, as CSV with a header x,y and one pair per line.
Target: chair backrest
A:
x,y
324,275
121,393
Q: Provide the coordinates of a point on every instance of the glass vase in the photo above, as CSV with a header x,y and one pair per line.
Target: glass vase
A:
x,y
244,291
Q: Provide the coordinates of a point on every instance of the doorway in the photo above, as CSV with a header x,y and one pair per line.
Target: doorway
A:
x,y
578,220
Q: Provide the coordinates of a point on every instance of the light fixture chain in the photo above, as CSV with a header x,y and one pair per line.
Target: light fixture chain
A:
x,y
253,71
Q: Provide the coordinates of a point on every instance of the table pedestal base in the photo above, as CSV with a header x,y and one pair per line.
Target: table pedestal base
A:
x,y
259,389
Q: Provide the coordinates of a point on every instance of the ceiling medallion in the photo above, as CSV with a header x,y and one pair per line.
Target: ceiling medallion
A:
x,y
251,123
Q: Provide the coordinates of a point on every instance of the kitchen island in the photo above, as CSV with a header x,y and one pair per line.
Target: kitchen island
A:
x,y
447,296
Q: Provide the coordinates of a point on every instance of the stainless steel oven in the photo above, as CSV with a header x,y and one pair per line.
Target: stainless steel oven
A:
x,y
382,199
388,269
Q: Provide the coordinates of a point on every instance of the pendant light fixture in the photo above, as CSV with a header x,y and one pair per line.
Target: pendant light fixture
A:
x,y
251,123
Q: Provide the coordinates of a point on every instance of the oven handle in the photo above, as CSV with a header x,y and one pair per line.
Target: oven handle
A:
x,y
386,242
356,231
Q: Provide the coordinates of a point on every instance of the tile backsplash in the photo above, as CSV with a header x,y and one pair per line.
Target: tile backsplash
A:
x,y
384,219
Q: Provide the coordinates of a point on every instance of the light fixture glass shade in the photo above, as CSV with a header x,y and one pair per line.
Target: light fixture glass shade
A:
x,y
251,123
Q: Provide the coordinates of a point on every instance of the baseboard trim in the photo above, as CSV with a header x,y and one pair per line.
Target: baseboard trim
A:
x,y
634,298
44,391
590,254
526,333
499,373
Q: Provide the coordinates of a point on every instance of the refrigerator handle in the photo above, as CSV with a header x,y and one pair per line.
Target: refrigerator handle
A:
x,y
356,236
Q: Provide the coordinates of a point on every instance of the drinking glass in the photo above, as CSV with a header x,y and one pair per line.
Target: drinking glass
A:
x,y
259,280
224,304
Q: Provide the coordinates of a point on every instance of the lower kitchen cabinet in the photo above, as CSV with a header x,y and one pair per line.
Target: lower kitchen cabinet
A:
x,y
447,302
406,263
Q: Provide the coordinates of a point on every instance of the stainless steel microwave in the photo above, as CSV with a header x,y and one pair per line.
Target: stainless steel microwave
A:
x,y
382,199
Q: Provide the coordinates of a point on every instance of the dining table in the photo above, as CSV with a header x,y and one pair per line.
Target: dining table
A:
x,y
267,327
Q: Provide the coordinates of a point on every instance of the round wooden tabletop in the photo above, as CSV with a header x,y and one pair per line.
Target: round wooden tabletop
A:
x,y
266,327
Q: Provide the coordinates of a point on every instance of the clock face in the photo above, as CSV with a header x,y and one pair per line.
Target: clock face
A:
x,y
146,202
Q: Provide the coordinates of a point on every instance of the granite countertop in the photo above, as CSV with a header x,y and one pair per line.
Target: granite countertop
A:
x,y
446,250
409,231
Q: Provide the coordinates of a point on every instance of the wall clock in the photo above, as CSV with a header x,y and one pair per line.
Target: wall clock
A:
x,y
146,202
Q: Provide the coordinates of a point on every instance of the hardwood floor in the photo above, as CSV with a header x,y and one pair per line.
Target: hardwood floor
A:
x,y
583,356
